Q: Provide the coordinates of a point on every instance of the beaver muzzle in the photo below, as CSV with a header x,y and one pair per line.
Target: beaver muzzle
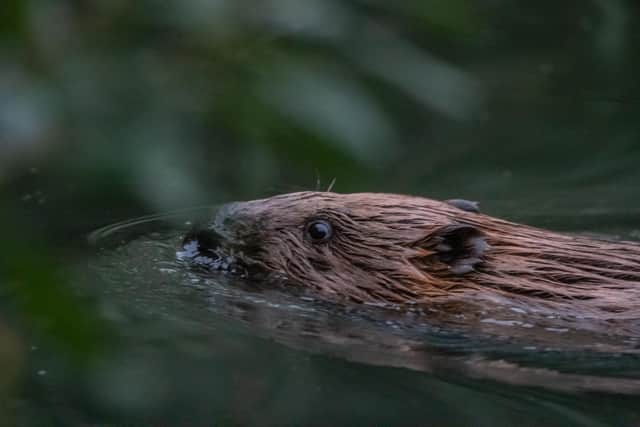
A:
x,y
204,247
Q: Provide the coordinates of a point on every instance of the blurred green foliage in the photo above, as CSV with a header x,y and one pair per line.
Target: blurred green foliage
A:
x,y
113,108
35,284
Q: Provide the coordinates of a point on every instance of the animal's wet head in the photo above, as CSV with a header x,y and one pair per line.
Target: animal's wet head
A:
x,y
372,248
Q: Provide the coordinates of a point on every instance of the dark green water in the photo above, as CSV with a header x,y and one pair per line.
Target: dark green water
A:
x,y
200,348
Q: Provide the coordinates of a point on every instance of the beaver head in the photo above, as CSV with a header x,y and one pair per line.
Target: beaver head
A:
x,y
385,248
374,248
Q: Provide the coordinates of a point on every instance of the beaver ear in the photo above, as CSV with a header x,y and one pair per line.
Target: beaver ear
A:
x,y
465,205
460,246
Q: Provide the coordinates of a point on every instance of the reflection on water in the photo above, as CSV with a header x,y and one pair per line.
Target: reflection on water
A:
x,y
260,350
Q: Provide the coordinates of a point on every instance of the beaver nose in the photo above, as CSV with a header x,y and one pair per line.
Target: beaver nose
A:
x,y
200,241
206,238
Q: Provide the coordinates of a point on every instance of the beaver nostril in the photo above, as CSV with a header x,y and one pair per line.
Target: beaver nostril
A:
x,y
202,248
201,241
205,248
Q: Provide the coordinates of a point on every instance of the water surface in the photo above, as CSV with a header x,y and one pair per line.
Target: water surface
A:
x,y
197,345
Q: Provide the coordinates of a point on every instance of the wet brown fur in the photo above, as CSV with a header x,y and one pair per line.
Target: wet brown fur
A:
x,y
384,250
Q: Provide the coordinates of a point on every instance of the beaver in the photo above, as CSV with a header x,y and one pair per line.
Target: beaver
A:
x,y
399,250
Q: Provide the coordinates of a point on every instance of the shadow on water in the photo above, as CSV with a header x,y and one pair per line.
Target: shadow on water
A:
x,y
262,352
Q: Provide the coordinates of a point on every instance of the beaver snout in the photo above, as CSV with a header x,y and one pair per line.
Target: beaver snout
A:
x,y
201,241
207,238
224,243
204,247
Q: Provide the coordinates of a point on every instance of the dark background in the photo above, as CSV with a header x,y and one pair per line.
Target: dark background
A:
x,y
115,109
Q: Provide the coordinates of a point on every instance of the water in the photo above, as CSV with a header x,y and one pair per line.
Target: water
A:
x,y
198,348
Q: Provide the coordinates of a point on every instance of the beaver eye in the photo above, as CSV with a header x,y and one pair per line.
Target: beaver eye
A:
x,y
319,231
